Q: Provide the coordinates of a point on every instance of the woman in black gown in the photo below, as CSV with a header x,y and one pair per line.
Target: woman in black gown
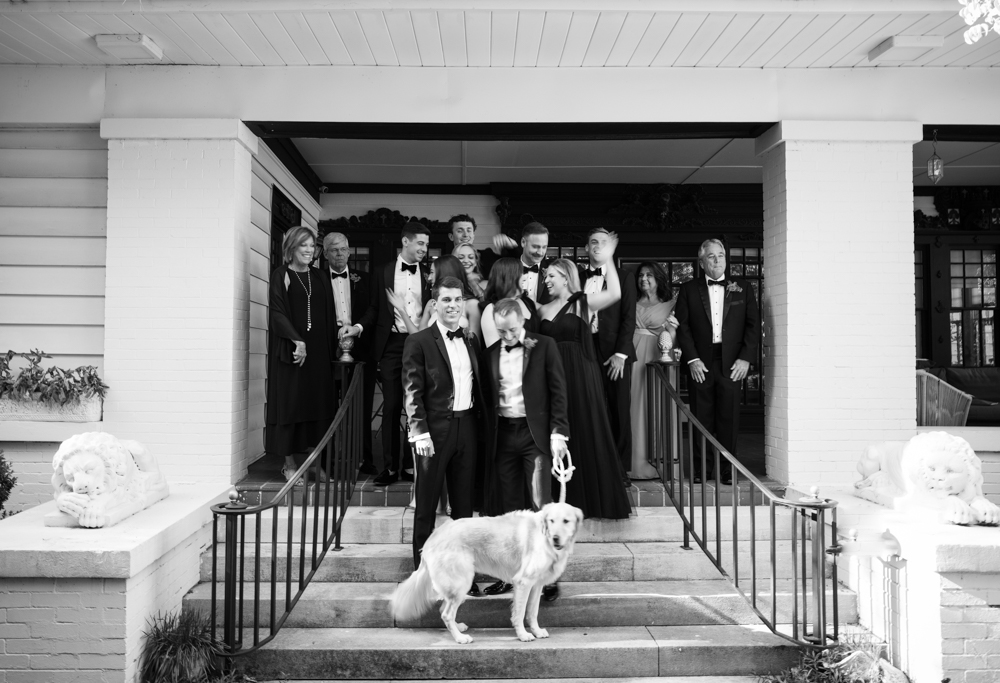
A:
x,y
596,486
300,389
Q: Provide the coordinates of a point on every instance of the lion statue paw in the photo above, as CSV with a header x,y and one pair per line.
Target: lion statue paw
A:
x,y
100,480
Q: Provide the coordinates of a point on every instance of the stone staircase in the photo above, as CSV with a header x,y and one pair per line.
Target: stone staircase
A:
x,y
633,604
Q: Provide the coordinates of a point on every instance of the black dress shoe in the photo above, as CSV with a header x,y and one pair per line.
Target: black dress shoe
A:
x,y
550,592
498,588
474,591
727,480
367,468
696,479
386,478
405,476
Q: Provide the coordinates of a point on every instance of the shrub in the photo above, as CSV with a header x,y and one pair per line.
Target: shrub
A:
x,y
7,483
178,648
49,385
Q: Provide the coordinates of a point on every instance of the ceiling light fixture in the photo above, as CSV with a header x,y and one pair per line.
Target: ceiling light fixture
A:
x,y
130,47
935,167
901,49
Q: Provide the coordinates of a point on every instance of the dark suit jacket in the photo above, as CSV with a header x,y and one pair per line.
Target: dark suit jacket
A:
x,y
616,323
740,322
429,385
380,316
359,287
543,385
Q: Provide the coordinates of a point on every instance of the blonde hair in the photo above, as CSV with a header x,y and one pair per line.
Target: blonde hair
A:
x,y
295,238
567,269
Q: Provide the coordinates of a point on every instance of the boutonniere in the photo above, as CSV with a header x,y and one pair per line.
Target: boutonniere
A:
x,y
733,286
355,278
529,343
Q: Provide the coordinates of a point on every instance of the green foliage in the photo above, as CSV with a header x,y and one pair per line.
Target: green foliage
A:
x,y
178,648
50,385
855,660
7,482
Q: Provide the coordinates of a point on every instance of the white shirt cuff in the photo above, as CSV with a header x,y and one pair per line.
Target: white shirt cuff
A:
x,y
622,356
560,437
361,328
693,360
420,437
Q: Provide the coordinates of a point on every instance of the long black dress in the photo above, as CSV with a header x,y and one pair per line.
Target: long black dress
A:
x,y
301,401
596,486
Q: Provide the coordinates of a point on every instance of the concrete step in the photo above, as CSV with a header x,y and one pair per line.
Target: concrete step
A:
x,y
395,525
612,652
649,679
654,561
580,604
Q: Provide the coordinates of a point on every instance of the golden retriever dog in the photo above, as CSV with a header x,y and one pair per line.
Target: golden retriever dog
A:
x,y
526,549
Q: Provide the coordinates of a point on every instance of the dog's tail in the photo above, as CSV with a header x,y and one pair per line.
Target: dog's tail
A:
x,y
413,597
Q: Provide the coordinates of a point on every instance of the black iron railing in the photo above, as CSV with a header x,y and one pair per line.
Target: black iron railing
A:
x,y
793,537
318,512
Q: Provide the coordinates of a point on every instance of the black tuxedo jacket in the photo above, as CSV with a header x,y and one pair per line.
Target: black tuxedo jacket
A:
x,y
359,287
616,323
429,385
543,385
740,322
380,317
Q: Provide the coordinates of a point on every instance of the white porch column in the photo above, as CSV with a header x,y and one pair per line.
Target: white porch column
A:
x,y
176,307
838,302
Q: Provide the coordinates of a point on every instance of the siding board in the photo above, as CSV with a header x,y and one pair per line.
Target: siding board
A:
x,y
54,163
53,192
67,339
68,280
52,221
52,310
52,251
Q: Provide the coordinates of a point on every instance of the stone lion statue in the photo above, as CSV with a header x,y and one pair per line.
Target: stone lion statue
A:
x,y
101,480
934,472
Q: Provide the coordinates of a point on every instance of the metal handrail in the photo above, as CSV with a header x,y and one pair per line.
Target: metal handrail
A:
x,y
666,416
338,454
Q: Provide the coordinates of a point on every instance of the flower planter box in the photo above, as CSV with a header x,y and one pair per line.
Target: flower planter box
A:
x,y
84,410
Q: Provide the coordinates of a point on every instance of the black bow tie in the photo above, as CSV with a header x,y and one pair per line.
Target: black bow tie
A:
x,y
459,333
529,269
409,268
513,346
720,283
596,272
343,275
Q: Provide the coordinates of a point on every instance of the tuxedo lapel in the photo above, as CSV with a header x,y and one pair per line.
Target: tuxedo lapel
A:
x,y
439,342
495,369
524,362
728,299
703,291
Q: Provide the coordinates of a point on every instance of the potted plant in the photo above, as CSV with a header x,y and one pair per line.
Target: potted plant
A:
x,y
52,394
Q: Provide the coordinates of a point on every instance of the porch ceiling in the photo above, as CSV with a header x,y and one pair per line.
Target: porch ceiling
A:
x,y
477,162
748,34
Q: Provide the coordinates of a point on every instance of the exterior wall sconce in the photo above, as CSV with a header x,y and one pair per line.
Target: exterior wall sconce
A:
x,y
935,167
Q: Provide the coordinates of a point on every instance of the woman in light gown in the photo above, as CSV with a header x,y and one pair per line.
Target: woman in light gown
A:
x,y
653,314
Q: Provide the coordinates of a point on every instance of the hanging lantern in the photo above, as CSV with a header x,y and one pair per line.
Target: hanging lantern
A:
x,y
935,166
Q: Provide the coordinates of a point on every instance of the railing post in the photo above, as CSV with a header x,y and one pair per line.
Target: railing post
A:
x,y
229,604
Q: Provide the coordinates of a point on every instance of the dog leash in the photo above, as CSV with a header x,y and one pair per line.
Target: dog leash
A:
x,y
563,472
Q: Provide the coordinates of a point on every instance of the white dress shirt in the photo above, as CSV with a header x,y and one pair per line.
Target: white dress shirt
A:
x,y
529,281
342,297
593,285
511,403
716,298
408,286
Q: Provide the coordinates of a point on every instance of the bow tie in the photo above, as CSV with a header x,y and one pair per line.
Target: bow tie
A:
x,y
719,283
333,274
409,268
596,272
513,346
459,333
529,269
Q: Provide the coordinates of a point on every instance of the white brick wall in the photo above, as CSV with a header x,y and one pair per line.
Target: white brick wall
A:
x,y
838,304
177,301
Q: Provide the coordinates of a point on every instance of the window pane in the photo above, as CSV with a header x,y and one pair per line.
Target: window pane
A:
x,y
989,256
973,270
956,256
736,269
989,340
973,255
956,297
956,338
990,270
971,340
753,254
957,271
752,270
973,295
736,253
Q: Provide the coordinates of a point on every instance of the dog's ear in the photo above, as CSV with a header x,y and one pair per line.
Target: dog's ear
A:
x,y
545,524
579,517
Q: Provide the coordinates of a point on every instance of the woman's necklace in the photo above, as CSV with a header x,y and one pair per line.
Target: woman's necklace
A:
x,y
309,295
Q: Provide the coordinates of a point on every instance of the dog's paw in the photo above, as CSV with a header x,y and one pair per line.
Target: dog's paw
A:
x,y
463,639
462,627
525,637
540,632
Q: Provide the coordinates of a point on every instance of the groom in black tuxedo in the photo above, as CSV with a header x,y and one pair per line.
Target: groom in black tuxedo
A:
x,y
718,332
613,329
443,401
527,417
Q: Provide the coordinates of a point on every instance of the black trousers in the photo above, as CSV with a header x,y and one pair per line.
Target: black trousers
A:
x,y
523,469
454,461
619,397
716,404
390,369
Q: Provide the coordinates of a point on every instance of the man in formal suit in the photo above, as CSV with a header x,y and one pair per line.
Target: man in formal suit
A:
x,y
350,301
718,332
462,230
443,402
407,278
532,255
526,415
613,329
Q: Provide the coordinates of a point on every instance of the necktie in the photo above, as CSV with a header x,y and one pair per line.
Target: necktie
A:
x,y
459,333
513,346
529,269
409,268
333,274
720,283
596,272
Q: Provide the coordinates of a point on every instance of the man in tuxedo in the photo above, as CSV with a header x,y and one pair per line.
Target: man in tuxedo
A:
x,y
407,278
527,415
718,332
534,246
462,230
350,301
613,329
443,399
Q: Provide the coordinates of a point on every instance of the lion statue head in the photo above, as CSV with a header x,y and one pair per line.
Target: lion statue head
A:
x,y
94,464
939,464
